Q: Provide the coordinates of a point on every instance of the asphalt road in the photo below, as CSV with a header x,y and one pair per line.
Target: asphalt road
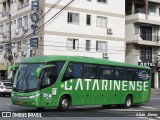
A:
x,y
90,112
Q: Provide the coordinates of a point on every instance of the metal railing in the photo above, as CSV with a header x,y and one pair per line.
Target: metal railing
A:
x,y
23,5
138,10
149,37
5,13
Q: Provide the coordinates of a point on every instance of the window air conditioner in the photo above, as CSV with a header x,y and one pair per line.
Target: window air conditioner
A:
x,y
15,54
4,34
24,28
24,53
33,52
109,31
105,55
16,31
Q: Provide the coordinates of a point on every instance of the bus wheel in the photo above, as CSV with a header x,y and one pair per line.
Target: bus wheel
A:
x,y
106,106
64,103
128,102
40,108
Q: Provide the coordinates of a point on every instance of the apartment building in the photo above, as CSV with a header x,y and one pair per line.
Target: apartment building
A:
x,y
89,28
143,35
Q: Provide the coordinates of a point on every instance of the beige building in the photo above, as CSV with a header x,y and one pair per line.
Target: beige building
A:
x,y
143,35
77,27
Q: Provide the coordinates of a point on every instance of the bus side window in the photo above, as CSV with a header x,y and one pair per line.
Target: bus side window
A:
x,y
73,71
48,77
89,71
119,73
132,74
68,73
77,70
106,72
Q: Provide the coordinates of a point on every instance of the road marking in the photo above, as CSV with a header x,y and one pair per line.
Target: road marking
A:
x,y
155,98
124,110
147,107
143,117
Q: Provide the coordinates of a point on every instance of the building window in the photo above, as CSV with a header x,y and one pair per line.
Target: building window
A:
x,y
101,21
88,19
89,71
73,18
19,45
102,1
1,29
26,3
14,21
25,44
22,4
88,45
152,8
25,20
1,48
5,7
19,22
7,27
101,46
72,43
146,33
146,54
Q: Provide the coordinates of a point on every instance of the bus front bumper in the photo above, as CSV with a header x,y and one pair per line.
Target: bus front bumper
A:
x,y
27,100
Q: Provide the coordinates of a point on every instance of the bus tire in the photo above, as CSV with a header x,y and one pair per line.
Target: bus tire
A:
x,y
64,104
128,102
40,108
106,106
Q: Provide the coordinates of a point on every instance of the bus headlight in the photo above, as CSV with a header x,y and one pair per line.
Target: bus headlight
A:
x,y
33,96
12,95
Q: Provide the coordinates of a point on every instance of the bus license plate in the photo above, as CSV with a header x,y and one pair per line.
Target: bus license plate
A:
x,y
20,103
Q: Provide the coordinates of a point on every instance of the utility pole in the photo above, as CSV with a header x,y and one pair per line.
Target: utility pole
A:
x,y
10,56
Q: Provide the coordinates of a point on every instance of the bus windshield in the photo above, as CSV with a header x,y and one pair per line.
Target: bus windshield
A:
x,y
26,79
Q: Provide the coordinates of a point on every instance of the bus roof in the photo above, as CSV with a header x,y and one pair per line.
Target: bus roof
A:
x,y
46,59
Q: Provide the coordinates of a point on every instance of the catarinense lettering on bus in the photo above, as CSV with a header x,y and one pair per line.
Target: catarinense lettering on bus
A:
x,y
106,85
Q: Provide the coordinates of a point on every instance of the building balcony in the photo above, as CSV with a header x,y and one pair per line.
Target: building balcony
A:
x,y
139,16
143,39
23,6
5,13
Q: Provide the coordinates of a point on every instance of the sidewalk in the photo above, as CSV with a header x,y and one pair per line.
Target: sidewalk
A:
x,y
155,91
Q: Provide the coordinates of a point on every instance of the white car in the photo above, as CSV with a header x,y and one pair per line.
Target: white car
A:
x,y
5,88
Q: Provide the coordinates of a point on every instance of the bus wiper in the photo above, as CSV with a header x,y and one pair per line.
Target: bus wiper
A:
x,y
20,81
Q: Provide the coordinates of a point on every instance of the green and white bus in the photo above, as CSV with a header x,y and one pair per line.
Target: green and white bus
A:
x,y
63,81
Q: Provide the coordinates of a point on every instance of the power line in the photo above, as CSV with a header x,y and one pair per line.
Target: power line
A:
x,y
53,17
56,3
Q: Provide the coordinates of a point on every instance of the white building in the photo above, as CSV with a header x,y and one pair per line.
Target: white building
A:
x,y
143,35
92,28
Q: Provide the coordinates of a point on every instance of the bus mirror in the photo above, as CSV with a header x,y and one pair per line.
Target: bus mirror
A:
x,y
42,68
12,68
12,71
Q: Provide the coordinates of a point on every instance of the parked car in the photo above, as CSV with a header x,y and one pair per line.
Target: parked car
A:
x,y
5,88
